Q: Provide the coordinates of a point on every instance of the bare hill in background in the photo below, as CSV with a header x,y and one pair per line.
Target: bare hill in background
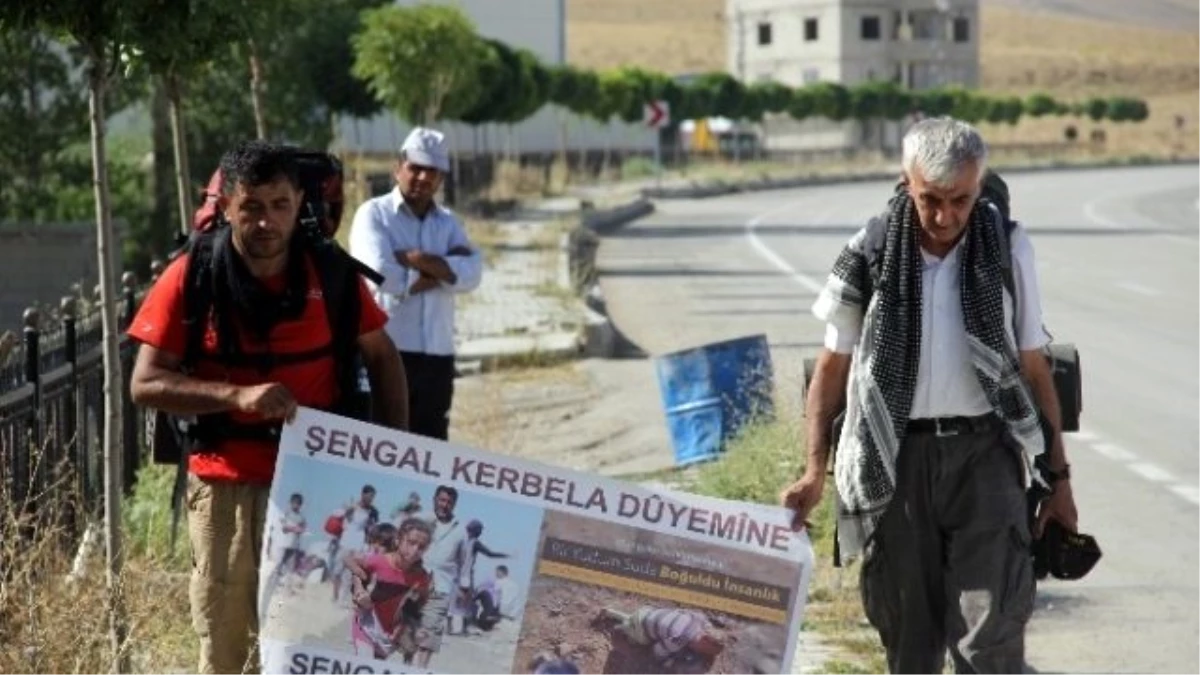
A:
x,y
1071,49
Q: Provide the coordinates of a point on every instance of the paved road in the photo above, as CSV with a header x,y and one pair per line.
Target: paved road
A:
x,y
1118,264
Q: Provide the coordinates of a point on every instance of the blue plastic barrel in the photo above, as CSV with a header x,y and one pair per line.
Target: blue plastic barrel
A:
x,y
710,392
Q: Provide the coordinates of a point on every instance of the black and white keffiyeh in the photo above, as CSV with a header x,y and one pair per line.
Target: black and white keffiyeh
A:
x,y
883,373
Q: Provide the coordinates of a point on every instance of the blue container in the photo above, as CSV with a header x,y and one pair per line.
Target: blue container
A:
x,y
710,392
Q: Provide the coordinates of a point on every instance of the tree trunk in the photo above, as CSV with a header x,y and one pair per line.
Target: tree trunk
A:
x,y
162,220
562,146
106,253
183,175
256,92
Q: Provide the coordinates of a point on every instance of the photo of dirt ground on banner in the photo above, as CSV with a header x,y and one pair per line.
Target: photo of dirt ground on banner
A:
x,y
609,598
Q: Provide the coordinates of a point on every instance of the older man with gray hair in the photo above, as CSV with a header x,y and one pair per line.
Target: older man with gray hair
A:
x,y
941,386
426,259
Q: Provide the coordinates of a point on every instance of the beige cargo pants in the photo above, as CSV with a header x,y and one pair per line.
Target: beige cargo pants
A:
x,y
225,525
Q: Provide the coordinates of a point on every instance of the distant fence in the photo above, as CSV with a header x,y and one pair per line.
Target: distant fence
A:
x,y
52,407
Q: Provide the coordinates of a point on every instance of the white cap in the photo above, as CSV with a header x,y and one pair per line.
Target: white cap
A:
x,y
427,147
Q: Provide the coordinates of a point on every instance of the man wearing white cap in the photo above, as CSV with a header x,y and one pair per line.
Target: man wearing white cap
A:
x,y
425,257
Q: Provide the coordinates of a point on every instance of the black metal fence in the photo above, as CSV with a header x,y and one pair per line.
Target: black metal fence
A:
x,y
52,406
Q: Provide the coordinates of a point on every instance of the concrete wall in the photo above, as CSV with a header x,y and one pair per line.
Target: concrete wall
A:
x,y
539,26
41,262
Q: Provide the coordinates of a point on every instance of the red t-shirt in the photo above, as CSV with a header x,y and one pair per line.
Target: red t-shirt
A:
x,y
393,588
159,323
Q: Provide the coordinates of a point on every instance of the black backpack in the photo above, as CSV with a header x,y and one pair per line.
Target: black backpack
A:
x,y
172,438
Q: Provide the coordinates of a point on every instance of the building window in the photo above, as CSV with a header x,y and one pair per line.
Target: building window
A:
x,y
868,28
810,30
811,75
962,29
764,34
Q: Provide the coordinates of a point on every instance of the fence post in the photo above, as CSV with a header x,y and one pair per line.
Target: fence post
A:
x,y
72,419
26,484
129,417
156,269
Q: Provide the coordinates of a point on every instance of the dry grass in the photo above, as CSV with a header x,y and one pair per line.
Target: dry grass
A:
x,y
51,624
1021,52
673,36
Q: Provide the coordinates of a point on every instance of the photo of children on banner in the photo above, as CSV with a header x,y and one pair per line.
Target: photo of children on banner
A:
x,y
390,570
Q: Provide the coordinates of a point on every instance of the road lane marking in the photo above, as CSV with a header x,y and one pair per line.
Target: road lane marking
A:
x,y
1151,472
772,257
1083,435
1089,210
1138,288
1188,492
1114,452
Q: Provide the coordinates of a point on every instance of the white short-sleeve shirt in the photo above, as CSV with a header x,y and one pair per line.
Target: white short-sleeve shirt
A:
x,y
946,383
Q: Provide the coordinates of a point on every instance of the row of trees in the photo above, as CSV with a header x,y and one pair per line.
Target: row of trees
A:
x,y
214,71
427,63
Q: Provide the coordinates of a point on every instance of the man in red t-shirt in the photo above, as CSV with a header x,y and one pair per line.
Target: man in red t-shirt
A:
x,y
268,298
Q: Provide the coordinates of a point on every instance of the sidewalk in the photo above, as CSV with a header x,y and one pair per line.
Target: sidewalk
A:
x,y
524,308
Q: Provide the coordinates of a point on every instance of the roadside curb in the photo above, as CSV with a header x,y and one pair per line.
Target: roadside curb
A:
x,y
600,337
722,188
605,221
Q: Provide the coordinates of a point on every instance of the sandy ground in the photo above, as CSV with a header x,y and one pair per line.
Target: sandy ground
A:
x,y
563,618
310,615
602,416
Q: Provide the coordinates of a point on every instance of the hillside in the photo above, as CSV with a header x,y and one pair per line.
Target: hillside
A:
x,y
1067,52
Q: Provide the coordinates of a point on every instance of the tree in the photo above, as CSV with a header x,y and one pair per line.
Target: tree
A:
x,y
173,40
43,115
96,25
1095,108
419,61
830,100
219,114
1040,105
321,53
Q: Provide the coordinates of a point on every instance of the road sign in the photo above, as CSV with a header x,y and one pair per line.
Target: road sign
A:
x,y
656,114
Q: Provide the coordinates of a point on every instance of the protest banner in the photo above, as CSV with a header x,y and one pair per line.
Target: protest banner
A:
x,y
391,552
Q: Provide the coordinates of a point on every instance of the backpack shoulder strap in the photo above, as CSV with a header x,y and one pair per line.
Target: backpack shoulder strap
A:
x,y
343,310
197,295
1004,228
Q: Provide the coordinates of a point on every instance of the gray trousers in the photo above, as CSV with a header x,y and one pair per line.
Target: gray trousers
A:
x,y
949,564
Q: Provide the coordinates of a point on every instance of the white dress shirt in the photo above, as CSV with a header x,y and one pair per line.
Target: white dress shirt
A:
x,y
421,322
946,382
447,556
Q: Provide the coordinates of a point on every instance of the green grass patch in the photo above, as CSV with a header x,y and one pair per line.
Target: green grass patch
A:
x,y
763,459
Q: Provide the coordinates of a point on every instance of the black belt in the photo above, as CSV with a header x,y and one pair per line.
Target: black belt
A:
x,y
954,426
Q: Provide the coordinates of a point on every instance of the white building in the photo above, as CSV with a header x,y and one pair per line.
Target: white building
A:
x,y
539,26
917,43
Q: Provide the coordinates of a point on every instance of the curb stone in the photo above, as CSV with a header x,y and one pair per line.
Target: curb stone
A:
x,y
594,335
